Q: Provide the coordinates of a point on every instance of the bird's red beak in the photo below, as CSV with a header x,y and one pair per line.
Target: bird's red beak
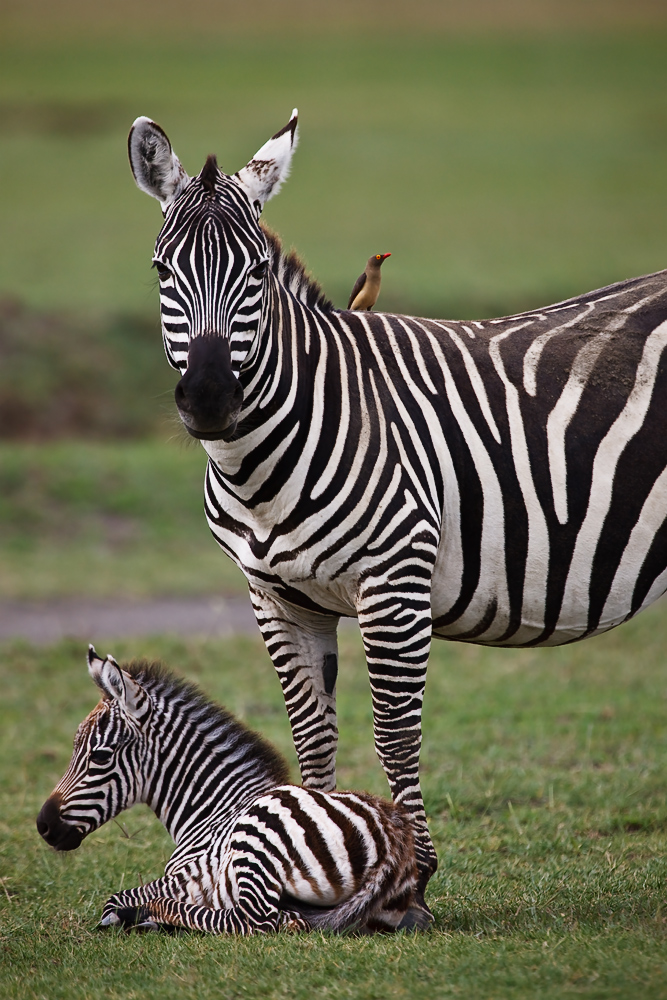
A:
x,y
385,255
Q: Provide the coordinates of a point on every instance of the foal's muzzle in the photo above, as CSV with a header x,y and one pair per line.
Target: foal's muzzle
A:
x,y
53,828
209,396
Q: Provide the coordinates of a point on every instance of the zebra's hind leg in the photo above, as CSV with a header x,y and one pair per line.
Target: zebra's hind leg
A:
x,y
304,650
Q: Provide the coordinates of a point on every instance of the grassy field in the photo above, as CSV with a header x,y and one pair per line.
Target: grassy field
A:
x,y
545,776
500,173
107,520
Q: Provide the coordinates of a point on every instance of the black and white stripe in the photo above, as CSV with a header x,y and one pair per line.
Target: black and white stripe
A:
x,y
500,482
254,854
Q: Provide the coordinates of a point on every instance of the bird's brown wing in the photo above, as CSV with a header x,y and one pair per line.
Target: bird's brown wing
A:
x,y
358,285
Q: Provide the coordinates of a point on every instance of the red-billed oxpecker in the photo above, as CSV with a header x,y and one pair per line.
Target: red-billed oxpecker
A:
x,y
367,286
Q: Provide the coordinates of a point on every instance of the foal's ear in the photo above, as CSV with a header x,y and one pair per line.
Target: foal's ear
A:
x,y
270,166
156,168
117,685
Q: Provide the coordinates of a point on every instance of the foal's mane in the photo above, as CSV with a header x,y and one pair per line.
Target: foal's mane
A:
x,y
161,683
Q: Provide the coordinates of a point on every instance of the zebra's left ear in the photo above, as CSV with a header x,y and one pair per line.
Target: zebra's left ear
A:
x,y
270,166
117,685
156,168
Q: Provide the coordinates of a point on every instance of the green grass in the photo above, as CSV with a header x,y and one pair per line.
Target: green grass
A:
x,y
499,172
545,777
107,520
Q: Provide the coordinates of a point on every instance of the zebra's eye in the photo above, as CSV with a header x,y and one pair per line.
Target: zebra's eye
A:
x,y
259,271
101,756
163,272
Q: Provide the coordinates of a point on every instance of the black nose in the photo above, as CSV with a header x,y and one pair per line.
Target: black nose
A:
x,y
209,395
54,830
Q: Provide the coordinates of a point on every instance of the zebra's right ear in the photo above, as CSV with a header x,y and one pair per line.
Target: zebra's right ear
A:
x,y
263,176
156,168
117,685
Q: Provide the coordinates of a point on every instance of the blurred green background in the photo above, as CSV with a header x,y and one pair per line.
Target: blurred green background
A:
x,y
508,154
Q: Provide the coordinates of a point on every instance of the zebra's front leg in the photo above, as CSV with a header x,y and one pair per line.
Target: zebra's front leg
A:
x,y
167,914
118,908
395,624
254,907
304,650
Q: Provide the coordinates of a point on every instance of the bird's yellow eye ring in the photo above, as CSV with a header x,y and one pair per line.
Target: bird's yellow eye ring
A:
x,y
377,256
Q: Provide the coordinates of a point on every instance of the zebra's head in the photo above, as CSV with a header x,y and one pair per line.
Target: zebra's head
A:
x,y
211,257
104,776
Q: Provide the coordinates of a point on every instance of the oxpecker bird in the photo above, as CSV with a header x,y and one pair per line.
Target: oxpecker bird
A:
x,y
367,286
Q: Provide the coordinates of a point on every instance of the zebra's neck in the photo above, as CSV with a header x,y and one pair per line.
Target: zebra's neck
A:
x,y
284,381
203,765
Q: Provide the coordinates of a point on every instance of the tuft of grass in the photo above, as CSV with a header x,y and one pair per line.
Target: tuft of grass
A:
x,y
106,520
545,778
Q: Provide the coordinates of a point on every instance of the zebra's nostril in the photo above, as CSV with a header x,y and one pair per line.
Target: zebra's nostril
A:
x,y
180,397
48,820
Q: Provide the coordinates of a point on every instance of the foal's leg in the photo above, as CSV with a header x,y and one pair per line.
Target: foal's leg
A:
x,y
255,911
172,887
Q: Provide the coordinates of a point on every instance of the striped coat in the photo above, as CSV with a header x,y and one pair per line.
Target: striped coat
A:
x,y
500,482
253,853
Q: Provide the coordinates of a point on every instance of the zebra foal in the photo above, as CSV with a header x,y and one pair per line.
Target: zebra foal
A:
x,y
254,854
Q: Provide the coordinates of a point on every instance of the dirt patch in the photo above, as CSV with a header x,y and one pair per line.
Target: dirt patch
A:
x,y
46,622
212,617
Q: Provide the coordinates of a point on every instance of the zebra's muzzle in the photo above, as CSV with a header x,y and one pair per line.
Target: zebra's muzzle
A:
x,y
215,435
209,396
58,834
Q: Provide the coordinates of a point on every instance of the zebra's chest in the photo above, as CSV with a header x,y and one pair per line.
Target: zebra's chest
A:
x,y
284,554
301,580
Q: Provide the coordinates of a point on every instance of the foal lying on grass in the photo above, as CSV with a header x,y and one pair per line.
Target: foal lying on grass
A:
x,y
253,853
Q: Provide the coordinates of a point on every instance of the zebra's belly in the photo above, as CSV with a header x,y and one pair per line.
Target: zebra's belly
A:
x,y
490,619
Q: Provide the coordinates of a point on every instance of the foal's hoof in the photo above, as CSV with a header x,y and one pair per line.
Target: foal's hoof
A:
x,y
129,918
145,927
417,918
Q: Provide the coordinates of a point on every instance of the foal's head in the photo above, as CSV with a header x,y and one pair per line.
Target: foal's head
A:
x,y
106,772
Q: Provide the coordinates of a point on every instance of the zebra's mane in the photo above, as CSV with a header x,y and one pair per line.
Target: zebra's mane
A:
x,y
215,720
293,274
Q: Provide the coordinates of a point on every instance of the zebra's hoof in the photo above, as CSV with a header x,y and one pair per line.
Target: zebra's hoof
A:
x,y
416,919
145,927
127,917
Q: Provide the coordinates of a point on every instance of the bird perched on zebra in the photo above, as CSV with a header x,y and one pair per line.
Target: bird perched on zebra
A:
x,y
253,853
501,482
367,286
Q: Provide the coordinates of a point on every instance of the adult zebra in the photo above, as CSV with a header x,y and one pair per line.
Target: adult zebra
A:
x,y
500,482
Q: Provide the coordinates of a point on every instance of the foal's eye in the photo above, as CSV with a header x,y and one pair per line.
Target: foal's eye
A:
x,y
101,756
163,272
259,271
